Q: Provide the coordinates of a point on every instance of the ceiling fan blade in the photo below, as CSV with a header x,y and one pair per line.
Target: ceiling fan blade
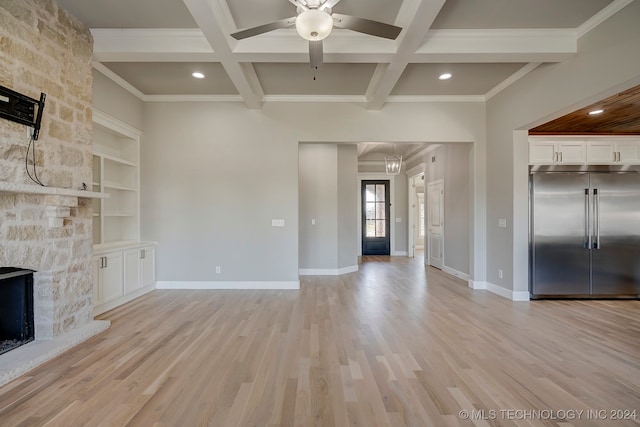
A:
x,y
300,3
328,4
315,53
366,26
250,32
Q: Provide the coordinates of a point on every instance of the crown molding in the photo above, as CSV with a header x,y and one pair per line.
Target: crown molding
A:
x,y
193,98
511,79
602,16
435,98
118,80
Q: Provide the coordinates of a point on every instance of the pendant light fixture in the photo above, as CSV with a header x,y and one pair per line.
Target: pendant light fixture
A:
x,y
393,164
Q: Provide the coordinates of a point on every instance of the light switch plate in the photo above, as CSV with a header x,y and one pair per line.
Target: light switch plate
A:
x,y
398,219
502,223
277,222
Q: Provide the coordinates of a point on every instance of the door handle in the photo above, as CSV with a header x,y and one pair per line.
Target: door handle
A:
x,y
587,220
596,217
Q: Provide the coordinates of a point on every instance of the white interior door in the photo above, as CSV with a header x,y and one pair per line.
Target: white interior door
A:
x,y
435,223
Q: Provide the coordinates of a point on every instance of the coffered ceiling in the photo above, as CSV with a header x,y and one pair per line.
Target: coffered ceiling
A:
x,y
151,47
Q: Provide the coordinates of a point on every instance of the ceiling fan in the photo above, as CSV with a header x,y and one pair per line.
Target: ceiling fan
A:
x,y
314,22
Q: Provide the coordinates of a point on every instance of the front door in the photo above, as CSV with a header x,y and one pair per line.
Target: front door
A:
x,y
375,218
435,223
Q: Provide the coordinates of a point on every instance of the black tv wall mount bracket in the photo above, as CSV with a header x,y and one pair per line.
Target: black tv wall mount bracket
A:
x,y
20,108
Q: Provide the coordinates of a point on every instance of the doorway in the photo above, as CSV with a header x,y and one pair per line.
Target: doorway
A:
x,y
435,223
376,225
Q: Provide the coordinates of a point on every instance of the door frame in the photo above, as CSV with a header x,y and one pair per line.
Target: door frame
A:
x,y
386,183
413,204
366,176
427,248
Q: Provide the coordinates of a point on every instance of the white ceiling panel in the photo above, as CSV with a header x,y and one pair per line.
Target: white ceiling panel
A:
x,y
130,13
174,78
331,79
475,14
468,79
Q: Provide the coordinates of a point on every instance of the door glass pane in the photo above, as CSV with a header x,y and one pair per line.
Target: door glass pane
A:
x,y
380,211
371,228
370,193
380,228
380,193
370,210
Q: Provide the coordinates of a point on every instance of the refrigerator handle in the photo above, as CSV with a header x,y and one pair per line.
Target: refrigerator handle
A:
x,y
587,220
596,217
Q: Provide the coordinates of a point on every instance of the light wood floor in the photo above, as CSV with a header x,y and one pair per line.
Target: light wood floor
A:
x,y
387,346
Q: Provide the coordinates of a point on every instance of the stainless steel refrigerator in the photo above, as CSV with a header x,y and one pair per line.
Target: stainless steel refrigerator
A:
x,y
585,234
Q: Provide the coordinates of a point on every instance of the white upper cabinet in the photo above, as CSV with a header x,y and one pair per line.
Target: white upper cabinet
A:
x,y
625,152
557,152
587,151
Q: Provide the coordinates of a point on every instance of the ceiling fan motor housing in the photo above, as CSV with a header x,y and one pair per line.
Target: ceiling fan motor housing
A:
x,y
314,24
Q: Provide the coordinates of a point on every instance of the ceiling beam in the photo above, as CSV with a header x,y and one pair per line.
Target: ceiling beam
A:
x,y
191,45
418,15
212,22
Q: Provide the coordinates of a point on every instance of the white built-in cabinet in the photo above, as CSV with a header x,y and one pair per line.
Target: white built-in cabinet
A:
x,y
584,151
123,266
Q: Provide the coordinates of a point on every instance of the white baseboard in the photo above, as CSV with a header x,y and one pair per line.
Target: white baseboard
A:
x,y
327,271
215,285
508,293
454,272
477,284
399,253
103,308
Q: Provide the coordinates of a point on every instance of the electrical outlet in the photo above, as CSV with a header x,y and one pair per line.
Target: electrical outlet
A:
x,y
219,270
499,274
313,221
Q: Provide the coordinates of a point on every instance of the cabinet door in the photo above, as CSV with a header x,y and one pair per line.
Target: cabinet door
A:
x,y
97,280
148,266
572,152
112,277
629,152
542,153
131,270
600,152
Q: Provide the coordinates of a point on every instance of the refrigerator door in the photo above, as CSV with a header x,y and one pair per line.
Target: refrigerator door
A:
x,y
559,234
616,230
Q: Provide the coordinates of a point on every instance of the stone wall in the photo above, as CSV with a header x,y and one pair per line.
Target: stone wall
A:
x,y
44,49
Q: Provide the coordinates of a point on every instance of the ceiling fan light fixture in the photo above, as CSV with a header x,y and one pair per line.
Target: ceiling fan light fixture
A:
x,y
313,24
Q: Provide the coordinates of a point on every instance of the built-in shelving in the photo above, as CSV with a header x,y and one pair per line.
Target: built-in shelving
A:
x,y
116,172
123,267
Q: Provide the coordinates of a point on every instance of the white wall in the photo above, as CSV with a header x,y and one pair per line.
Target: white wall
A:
x,y
607,62
215,174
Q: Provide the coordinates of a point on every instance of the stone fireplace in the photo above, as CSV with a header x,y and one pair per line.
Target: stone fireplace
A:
x,y
48,229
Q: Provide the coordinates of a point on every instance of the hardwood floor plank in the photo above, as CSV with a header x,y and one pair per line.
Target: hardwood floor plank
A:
x,y
395,344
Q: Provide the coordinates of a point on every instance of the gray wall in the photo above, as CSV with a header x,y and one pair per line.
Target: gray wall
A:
x,y
347,206
453,165
215,174
401,204
607,62
318,199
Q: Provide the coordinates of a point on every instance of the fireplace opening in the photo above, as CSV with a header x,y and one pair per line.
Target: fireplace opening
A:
x,y
16,308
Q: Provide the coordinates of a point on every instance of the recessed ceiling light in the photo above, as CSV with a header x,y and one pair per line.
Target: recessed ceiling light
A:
x,y
594,112
198,75
445,76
